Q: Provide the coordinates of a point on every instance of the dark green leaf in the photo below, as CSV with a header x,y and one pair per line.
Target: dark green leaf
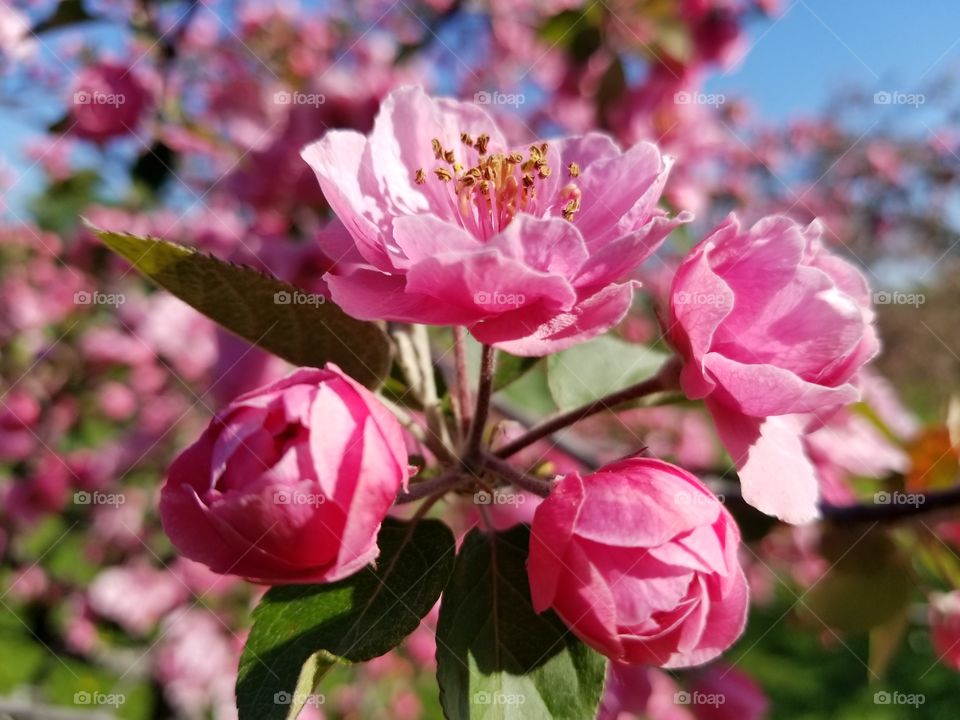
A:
x,y
250,304
300,631
496,657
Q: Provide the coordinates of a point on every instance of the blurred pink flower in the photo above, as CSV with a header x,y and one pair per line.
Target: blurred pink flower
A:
x,y
945,627
848,444
117,401
19,415
662,585
639,691
737,695
196,662
107,101
450,225
135,596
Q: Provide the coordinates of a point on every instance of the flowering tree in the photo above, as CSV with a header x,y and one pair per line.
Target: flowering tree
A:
x,y
437,325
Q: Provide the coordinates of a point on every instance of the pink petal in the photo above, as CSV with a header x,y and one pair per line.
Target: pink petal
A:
x,y
541,332
776,477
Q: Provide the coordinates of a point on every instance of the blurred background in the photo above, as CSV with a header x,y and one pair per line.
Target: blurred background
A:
x,y
184,120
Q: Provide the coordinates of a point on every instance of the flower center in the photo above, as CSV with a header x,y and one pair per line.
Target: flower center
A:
x,y
490,193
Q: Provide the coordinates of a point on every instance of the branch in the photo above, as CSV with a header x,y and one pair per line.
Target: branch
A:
x,y
435,486
517,478
665,379
926,503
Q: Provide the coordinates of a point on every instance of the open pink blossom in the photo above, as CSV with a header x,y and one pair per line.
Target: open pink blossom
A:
x,y
640,561
289,483
450,225
773,330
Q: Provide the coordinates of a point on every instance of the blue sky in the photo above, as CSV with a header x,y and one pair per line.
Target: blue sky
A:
x,y
817,47
793,65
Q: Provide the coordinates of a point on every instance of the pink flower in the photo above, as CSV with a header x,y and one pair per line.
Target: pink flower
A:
x,y
451,225
640,561
639,691
945,627
107,101
195,662
136,596
736,695
772,328
289,483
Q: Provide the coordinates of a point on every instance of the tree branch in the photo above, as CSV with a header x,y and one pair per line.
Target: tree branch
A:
x,y
665,379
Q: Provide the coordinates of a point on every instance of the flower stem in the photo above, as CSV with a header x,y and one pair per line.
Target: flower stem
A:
x,y
472,450
665,379
517,478
441,484
463,381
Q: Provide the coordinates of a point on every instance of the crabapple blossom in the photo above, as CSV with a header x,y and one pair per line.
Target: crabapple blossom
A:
x,y
450,224
773,329
289,483
640,560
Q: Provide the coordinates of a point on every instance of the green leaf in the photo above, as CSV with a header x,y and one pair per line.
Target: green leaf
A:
x,y
593,369
301,631
244,301
885,640
511,368
496,657
529,397
16,643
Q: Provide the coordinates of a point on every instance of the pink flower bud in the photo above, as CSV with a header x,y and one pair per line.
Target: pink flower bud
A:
x,y
640,561
289,483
